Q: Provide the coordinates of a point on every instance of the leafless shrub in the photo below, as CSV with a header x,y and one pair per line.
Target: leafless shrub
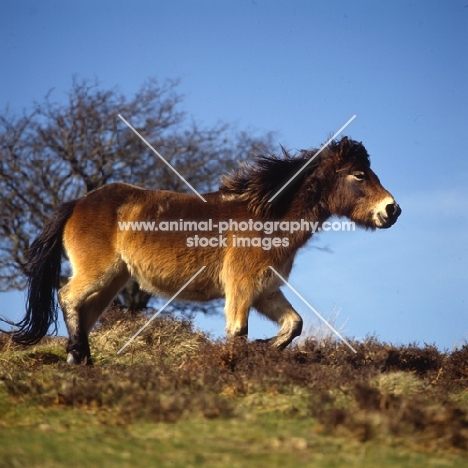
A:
x,y
61,150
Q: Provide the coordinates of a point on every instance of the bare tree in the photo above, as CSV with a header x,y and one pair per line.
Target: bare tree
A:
x,y
60,151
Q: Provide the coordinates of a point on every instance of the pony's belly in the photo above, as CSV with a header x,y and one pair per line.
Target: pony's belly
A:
x,y
199,290
196,295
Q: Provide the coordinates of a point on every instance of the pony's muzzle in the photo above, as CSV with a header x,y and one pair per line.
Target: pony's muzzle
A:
x,y
388,214
393,211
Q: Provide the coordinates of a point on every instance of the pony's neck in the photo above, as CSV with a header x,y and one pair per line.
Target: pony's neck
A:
x,y
312,217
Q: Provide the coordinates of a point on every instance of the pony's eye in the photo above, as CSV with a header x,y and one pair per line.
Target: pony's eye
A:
x,y
359,175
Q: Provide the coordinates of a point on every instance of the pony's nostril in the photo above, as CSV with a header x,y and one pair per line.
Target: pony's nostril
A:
x,y
392,210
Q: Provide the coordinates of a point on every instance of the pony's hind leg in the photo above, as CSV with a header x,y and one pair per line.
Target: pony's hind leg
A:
x,y
277,308
98,302
71,298
83,299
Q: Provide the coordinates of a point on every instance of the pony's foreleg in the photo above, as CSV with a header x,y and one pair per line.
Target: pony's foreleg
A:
x,y
238,302
277,308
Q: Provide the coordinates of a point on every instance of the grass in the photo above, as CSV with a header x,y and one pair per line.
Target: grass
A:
x,y
176,398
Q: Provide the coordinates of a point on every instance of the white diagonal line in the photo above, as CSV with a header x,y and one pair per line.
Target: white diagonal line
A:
x,y
313,310
161,309
311,159
160,157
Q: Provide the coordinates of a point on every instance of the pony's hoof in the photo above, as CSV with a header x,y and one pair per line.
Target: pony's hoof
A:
x,y
263,341
71,360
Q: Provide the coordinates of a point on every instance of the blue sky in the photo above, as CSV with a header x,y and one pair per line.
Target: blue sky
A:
x,y
300,69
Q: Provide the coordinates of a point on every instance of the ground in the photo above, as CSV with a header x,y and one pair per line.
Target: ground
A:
x,y
177,398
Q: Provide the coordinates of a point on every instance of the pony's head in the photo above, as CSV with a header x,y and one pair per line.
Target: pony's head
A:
x,y
337,181
350,188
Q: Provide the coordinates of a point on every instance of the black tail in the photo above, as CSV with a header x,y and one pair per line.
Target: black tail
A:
x,y
43,272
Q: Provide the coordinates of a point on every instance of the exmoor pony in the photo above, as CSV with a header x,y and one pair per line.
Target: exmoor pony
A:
x,y
162,239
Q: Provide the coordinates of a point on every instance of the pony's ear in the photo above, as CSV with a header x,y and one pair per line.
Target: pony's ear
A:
x,y
349,150
343,147
345,143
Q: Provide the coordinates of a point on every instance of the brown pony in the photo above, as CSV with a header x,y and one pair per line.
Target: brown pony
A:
x,y
162,239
